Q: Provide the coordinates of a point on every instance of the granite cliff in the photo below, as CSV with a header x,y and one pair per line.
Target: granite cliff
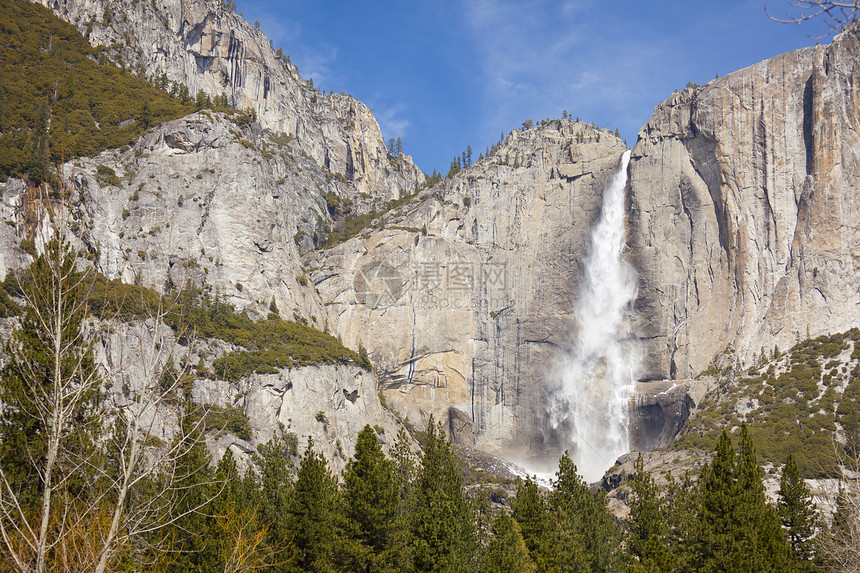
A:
x,y
741,225
743,217
465,300
208,47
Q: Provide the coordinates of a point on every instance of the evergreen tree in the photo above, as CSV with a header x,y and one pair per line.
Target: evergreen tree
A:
x,y
531,512
404,473
312,514
433,179
736,530
647,523
586,535
145,115
443,537
193,536
507,551
371,496
455,166
798,516
243,534
682,507
276,491
766,537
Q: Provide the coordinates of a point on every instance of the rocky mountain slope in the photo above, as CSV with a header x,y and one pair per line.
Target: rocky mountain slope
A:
x,y
741,226
224,203
208,47
743,218
465,300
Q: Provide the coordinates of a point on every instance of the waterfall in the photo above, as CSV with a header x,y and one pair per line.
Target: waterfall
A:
x,y
588,410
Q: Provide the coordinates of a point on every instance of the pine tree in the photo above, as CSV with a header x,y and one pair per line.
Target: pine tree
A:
x,y
736,530
647,523
507,551
682,507
371,500
193,535
586,534
275,491
456,166
766,537
531,512
443,536
404,473
798,516
312,514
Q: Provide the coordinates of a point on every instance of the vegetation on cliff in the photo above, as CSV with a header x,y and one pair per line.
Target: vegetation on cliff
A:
x,y
62,98
80,478
794,403
261,346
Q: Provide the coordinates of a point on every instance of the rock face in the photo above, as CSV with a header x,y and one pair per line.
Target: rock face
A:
x,y
205,200
199,199
661,409
207,47
226,202
743,219
465,300
329,404
742,224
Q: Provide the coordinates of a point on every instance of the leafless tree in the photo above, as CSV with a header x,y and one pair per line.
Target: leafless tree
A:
x,y
841,546
836,13
87,527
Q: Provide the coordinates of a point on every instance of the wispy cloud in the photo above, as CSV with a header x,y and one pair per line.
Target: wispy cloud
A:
x,y
314,60
539,57
391,119
317,64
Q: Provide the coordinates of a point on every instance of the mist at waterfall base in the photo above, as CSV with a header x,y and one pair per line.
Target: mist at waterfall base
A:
x,y
592,385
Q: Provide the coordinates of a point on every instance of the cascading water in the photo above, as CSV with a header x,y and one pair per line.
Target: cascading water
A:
x,y
589,408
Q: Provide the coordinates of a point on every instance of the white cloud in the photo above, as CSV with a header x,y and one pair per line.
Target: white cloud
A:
x,y
391,120
538,57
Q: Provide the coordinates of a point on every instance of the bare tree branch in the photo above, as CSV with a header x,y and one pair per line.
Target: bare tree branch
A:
x,y
836,13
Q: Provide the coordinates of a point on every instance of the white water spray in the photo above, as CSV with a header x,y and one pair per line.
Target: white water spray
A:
x,y
589,409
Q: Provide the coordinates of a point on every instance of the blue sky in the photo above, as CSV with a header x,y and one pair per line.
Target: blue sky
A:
x,y
443,74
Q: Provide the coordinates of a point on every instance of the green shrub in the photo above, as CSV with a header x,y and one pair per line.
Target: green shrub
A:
x,y
794,414
29,246
86,102
219,419
107,176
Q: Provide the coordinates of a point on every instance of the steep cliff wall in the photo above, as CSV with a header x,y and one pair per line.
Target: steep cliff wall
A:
x,y
225,202
466,300
743,219
208,47
329,404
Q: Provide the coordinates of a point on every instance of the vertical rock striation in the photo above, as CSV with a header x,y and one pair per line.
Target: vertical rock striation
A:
x,y
744,222
465,300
